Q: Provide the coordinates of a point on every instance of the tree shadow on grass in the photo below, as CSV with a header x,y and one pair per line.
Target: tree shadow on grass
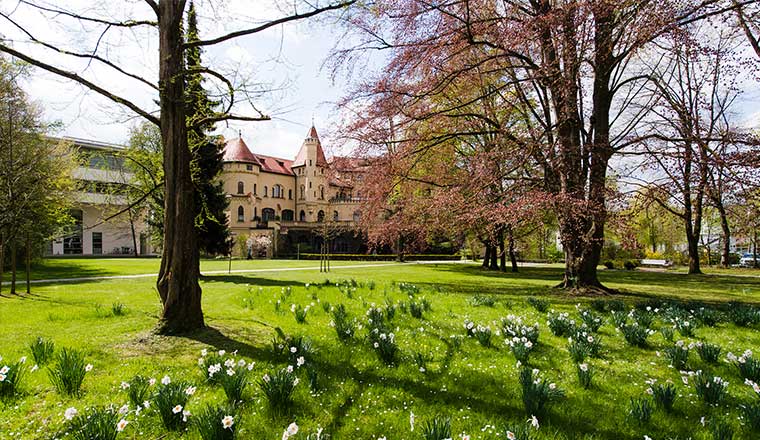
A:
x,y
253,281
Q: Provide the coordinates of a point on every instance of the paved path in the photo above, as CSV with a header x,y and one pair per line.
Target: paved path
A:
x,y
222,272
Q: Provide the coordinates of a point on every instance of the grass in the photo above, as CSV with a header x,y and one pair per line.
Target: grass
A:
x,y
359,396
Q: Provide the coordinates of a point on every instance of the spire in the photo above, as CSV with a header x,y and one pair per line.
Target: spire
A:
x,y
312,139
313,132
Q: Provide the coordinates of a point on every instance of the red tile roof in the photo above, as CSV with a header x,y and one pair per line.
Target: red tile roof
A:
x,y
275,164
235,150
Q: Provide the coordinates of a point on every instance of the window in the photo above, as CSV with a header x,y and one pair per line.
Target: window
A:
x,y
357,216
267,214
72,242
302,216
97,243
255,213
335,216
321,216
309,185
287,215
254,189
241,188
290,194
321,192
309,162
249,167
265,191
303,193
241,214
277,191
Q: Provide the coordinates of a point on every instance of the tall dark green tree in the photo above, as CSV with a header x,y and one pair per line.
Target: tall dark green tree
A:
x,y
207,151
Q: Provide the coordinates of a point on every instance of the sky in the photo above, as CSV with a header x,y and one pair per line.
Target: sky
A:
x,y
285,61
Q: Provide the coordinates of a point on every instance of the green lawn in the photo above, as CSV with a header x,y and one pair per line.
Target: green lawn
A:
x,y
357,395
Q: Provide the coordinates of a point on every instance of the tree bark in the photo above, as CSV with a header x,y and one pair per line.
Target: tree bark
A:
x,y
693,250
487,256
725,258
512,254
502,251
494,263
178,276
13,267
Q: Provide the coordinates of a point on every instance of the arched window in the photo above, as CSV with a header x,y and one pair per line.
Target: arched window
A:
x,y
303,193
321,192
267,214
287,215
241,188
241,214
254,189
321,216
357,216
335,216
302,216
290,194
277,191
265,190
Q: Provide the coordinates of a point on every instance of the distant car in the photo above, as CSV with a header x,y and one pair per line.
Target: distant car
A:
x,y
748,260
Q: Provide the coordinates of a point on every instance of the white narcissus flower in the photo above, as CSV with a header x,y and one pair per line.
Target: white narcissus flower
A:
x,y
227,422
124,409
511,435
70,413
121,425
266,378
177,409
124,385
2,377
152,381
88,367
166,380
204,352
190,391
35,368
533,420
290,368
411,420
292,429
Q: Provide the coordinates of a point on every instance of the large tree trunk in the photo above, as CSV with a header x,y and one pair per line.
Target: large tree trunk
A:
x,y
725,258
487,256
178,276
502,252
512,254
494,263
2,259
13,267
693,250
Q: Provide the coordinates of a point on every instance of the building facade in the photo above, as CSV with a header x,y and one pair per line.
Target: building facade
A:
x,y
102,223
291,202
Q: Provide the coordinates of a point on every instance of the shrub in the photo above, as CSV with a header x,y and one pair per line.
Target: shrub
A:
x,y
708,352
641,410
664,396
278,388
386,348
137,390
749,367
710,389
707,316
643,317
751,413
42,350
483,335
521,348
11,377
299,312
99,423
217,422
667,333
234,380
630,265
721,430
609,264
68,372
416,309
342,322
678,355
636,334
118,309
585,375
560,324
619,317
743,315
513,326
482,300
171,401
537,392
591,319
541,305
437,429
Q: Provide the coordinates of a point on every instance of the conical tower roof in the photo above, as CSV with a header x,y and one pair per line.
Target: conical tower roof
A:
x,y
301,157
235,150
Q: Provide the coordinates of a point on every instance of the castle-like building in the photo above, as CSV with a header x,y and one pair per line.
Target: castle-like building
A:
x,y
287,203
286,200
